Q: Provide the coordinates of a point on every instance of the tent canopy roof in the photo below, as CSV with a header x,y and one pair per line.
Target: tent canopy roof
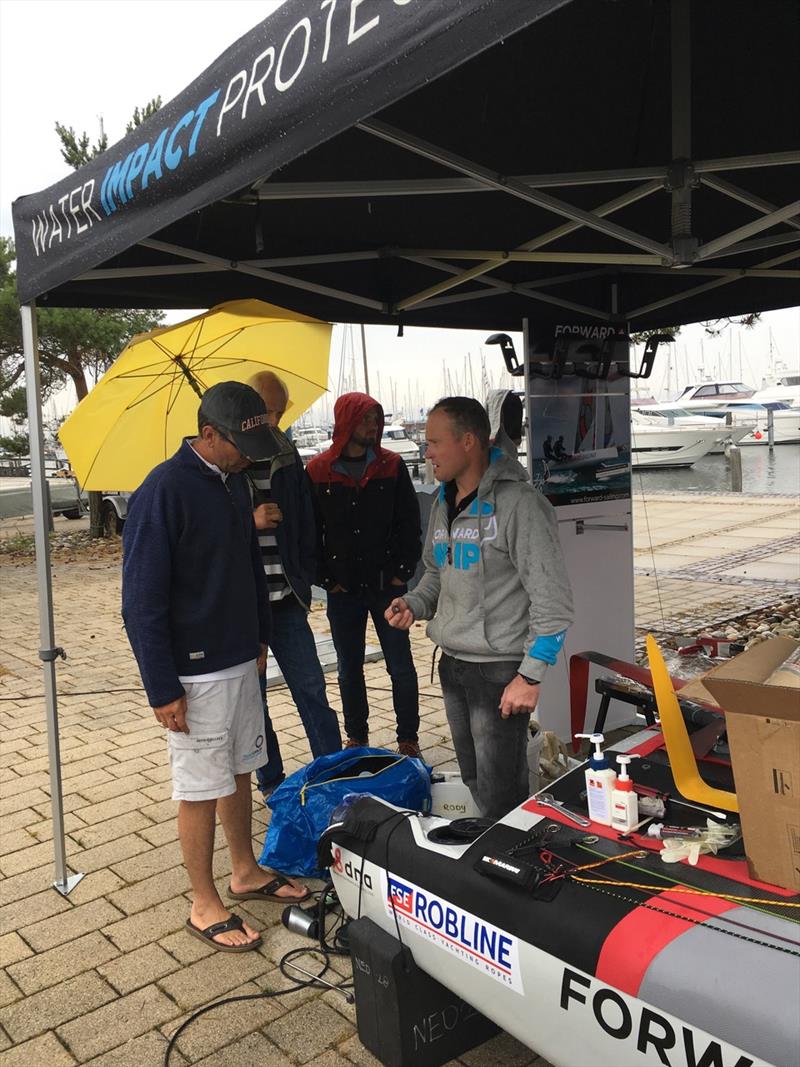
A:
x,y
452,163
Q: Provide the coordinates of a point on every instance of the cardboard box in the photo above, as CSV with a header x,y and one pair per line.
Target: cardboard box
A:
x,y
764,737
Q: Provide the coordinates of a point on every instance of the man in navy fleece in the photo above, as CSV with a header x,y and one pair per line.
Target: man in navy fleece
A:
x,y
197,615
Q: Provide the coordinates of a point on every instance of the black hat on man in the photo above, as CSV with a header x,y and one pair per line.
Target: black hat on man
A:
x,y
239,412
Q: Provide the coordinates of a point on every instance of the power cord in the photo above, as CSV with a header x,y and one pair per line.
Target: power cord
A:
x,y
325,950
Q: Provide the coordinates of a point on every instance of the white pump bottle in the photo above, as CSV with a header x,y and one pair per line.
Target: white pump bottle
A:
x,y
624,802
600,781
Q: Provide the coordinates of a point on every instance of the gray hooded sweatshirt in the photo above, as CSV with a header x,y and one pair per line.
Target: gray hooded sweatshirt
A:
x,y
495,586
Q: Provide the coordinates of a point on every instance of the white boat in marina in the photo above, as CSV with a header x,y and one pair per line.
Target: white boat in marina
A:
x,y
654,443
674,415
740,407
785,388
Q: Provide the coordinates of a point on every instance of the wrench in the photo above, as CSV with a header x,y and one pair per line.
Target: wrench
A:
x,y
547,800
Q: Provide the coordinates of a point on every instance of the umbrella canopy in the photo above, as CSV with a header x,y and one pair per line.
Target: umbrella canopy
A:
x,y
454,163
137,414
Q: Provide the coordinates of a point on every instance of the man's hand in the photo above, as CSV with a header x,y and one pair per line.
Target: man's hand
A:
x,y
173,716
397,581
267,516
399,614
518,697
261,662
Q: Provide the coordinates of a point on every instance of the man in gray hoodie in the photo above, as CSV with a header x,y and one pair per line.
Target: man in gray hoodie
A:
x,y
496,591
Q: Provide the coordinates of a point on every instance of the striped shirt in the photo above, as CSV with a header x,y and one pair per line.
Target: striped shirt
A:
x,y
277,584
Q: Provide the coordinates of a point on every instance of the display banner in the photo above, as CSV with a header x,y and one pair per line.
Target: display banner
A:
x,y
306,73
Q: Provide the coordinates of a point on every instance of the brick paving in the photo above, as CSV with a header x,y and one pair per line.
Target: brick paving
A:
x,y
106,975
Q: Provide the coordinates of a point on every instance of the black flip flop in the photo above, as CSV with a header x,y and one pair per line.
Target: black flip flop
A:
x,y
208,935
269,892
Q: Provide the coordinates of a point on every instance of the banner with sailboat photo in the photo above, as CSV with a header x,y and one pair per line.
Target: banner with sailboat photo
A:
x,y
581,441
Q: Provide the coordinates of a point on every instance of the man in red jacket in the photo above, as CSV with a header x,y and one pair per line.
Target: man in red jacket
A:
x,y
369,543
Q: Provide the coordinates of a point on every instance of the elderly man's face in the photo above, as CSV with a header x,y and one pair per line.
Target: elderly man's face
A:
x,y
275,401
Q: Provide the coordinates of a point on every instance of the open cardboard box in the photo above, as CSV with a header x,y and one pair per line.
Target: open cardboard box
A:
x,y
763,724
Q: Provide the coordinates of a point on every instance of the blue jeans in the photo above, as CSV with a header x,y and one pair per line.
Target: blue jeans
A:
x,y
292,645
492,752
347,614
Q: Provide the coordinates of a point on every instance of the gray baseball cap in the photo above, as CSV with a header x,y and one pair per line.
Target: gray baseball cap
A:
x,y
239,412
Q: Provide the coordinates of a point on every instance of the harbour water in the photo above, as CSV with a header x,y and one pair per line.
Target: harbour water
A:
x,y
762,472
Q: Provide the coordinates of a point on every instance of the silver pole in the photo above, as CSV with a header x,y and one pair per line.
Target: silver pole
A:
x,y
364,355
48,652
735,456
526,363
770,428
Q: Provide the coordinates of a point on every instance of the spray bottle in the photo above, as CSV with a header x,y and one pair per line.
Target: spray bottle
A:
x,y
600,781
624,802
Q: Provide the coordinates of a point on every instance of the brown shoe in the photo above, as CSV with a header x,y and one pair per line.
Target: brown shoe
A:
x,y
409,748
353,742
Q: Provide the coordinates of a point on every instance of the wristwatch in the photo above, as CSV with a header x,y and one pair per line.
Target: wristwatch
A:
x,y
525,678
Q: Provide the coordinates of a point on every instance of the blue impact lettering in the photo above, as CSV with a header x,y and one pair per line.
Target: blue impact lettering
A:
x,y
135,169
201,113
153,165
115,186
464,939
440,554
172,156
451,923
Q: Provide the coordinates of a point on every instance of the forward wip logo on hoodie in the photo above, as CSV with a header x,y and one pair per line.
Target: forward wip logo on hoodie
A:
x,y
461,545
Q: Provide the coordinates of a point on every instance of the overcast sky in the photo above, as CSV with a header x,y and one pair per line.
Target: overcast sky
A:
x,y
83,60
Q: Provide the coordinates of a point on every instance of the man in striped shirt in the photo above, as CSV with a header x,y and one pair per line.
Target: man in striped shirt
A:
x,y
283,515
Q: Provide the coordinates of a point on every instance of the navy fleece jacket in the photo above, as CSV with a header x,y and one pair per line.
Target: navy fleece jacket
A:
x,y
194,596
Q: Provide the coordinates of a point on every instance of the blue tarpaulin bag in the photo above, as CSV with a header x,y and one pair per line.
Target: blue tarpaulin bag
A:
x,y
303,803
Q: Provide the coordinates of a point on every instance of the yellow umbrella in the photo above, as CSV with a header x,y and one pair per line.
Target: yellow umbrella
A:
x,y
147,401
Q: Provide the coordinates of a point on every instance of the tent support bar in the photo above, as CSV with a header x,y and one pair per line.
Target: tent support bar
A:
x,y
512,187
498,287
48,652
756,226
498,256
724,272
720,185
630,197
282,279
443,186
683,242
765,242
762,267
767,159
208,268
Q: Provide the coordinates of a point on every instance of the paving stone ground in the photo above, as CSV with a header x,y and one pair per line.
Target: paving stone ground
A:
x,y
105,975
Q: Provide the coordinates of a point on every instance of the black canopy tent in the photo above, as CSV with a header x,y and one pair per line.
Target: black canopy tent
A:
x,y
463,163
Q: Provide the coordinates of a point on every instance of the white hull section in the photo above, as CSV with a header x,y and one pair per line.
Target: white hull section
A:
x,y
652,446
565,1015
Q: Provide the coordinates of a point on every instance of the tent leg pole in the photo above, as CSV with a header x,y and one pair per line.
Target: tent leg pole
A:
x,y
48,653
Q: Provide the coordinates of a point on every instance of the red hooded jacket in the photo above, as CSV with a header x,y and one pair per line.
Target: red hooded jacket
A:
x,y
368,532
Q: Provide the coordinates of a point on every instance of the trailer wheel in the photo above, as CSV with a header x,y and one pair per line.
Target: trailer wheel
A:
x,y
112,523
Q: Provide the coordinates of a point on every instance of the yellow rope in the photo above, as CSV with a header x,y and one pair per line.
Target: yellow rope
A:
x,y
682,889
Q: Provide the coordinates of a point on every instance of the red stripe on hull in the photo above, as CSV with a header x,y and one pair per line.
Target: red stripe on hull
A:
x,y
637,939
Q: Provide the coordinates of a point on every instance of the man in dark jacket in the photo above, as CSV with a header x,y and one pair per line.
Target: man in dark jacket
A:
x,y
284,517
369,542
196,612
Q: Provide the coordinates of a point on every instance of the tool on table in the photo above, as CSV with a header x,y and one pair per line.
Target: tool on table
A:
x,y
547,800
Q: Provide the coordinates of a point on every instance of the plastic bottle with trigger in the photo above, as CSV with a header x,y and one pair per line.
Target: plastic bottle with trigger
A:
x,y
600,781
624,802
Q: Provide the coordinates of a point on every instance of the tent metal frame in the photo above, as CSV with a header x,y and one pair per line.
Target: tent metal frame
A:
x,y
683,255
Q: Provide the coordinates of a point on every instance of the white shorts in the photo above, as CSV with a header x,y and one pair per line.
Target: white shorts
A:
x,y
226,737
